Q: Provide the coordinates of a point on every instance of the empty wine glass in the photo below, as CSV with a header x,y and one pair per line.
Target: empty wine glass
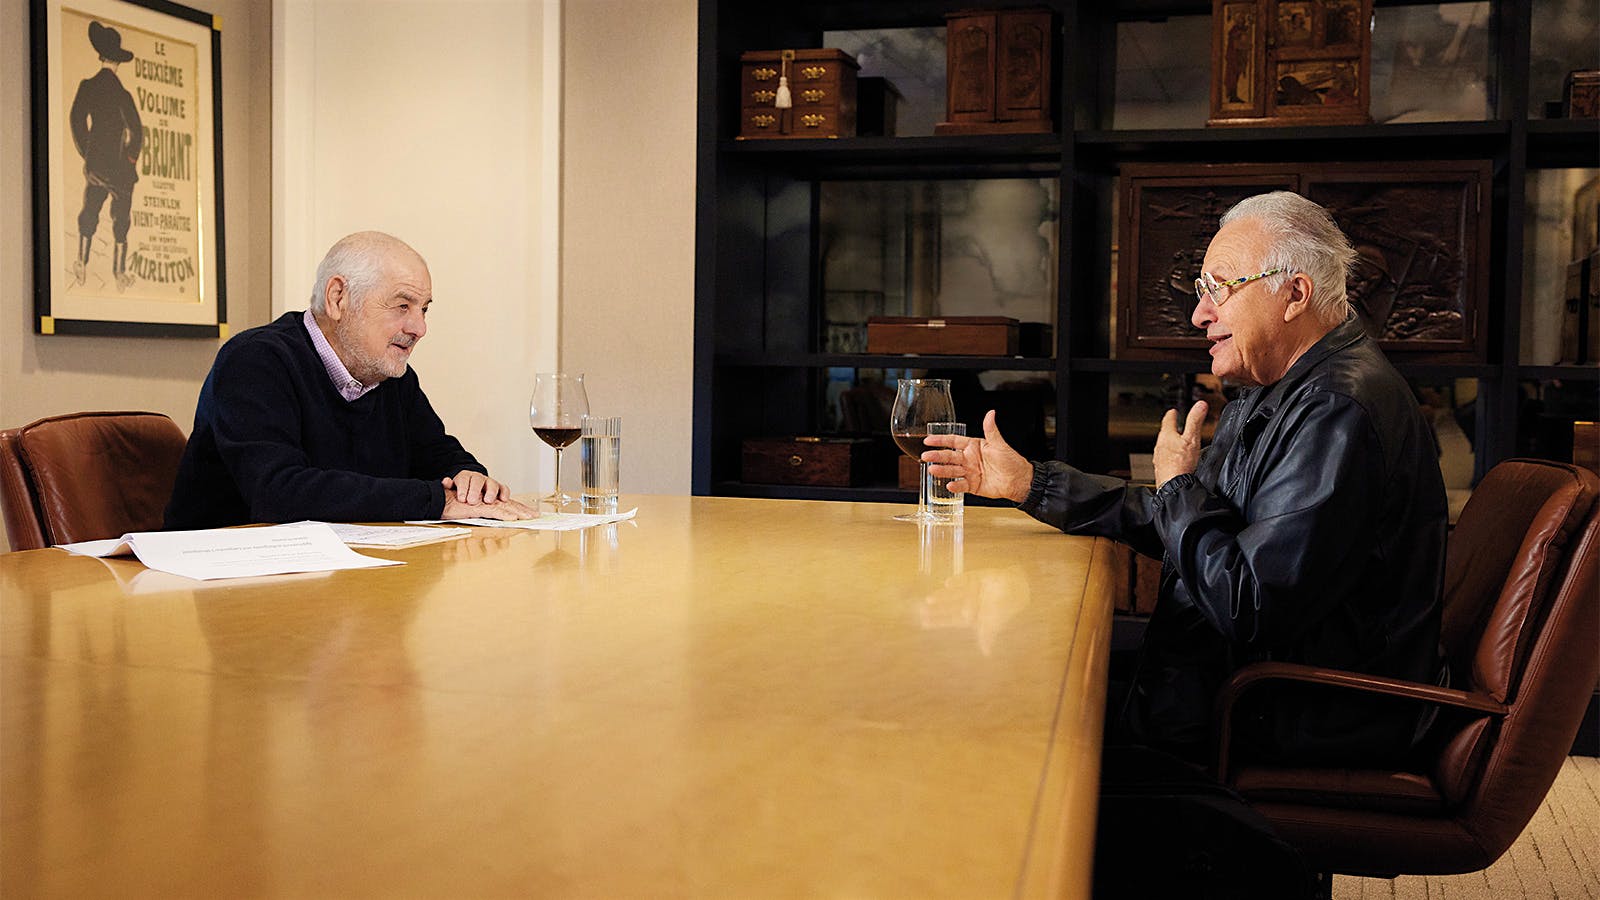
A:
x,y
556,412
918,401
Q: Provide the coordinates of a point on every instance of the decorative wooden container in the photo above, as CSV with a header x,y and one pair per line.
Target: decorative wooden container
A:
x,y
821,85
947,336
998,72
1592,309
1291,62
1580,94
1574,313
1580,320
1420,230
825,462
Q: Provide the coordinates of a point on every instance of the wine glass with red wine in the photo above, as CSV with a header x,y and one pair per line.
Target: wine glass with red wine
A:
x,y
918,401
556,413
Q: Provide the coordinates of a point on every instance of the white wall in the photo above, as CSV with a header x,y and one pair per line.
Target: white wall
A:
x,y
628,204
436,121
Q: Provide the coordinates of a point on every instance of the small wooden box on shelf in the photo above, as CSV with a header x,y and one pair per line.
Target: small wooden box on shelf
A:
x,y
821,89
946,336
826,462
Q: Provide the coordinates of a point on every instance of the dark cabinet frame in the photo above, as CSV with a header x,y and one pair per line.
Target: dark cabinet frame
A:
x,y
756,361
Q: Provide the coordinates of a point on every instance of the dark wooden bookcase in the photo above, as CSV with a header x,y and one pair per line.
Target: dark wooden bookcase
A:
x,y
759,355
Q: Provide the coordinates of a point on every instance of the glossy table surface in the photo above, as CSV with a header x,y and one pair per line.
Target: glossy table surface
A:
x,y
722,698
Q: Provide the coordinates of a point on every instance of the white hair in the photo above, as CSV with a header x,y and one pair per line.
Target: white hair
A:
x,y
360,259
1303,238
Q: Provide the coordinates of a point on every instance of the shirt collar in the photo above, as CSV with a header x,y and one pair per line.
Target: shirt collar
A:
x,y
343,382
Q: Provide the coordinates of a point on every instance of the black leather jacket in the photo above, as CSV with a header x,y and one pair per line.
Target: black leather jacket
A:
x,y
1312,531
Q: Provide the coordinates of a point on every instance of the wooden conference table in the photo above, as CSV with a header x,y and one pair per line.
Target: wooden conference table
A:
x,y
723,698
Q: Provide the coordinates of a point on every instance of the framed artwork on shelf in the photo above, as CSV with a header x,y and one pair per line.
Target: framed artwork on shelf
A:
x,y
127,143
1290,62
1420,230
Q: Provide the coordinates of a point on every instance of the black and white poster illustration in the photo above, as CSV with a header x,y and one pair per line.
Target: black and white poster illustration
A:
x,y
127,203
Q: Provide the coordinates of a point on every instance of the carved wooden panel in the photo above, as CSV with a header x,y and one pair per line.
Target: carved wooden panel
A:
x,y
1420,233
1169,214
1420,230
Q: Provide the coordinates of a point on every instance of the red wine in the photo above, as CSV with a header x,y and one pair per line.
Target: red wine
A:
x,y
557,437
911,443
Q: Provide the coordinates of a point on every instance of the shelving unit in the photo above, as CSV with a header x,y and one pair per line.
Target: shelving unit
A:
x,y
759,369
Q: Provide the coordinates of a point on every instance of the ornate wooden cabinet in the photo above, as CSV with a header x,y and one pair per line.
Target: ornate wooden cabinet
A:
x,y
1289,62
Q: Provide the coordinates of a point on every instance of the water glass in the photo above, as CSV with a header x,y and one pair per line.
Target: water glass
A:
x,y
600,459
943,505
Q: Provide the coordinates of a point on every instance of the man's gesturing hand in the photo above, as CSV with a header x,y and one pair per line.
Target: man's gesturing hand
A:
x,y
1178,454
985,466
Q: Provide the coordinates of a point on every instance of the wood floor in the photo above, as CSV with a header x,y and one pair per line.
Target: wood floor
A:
x,y
1556,858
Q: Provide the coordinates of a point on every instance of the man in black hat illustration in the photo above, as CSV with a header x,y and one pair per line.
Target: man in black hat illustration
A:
x,y
108,134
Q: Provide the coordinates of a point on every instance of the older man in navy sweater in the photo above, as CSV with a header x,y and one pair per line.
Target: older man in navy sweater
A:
x,y
318,416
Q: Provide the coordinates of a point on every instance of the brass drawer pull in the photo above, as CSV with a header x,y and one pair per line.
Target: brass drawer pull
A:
x,y
812,73
763,97
813,96
763,74
795,460
813,121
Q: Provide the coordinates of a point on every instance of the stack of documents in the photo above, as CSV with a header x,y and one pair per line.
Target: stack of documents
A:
x,y
236,552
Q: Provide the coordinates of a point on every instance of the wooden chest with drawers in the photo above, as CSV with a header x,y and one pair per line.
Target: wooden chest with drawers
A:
x,y
822,93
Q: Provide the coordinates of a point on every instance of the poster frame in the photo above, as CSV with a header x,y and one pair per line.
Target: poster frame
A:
x,y
112,314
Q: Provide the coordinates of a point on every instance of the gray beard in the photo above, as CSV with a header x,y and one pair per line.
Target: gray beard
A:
x,y
363,368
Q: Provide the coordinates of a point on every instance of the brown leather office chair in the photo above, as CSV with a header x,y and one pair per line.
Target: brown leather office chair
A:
x,y
1521,616
87,476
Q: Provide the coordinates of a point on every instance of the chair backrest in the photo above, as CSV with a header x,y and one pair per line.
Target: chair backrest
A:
x,y
87,476
1521,614
24,529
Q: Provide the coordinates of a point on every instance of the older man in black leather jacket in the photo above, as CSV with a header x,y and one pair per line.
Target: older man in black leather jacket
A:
x,y
1312,530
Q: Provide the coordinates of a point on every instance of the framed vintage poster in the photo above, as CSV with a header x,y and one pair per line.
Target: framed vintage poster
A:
x,y
127,143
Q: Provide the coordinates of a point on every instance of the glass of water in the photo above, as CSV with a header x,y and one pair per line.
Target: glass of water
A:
x,y
600,462
943,505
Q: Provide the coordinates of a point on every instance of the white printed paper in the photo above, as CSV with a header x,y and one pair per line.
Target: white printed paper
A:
x,y
236,552
392,536
545,522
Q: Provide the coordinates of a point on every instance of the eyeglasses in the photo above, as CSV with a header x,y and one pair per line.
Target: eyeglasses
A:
x,y
1206,284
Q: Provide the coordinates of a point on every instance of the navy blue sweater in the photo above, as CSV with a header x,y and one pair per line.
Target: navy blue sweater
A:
x,y
274,442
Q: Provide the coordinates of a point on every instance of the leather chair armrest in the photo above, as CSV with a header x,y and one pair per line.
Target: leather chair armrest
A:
x,y
1259,673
